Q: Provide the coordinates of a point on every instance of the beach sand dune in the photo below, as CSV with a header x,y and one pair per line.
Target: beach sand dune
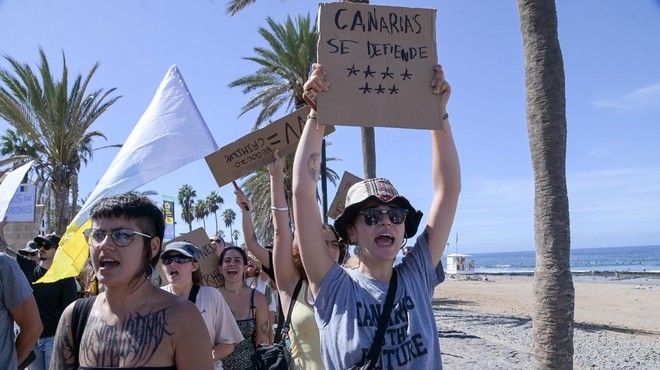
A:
x,y
488,324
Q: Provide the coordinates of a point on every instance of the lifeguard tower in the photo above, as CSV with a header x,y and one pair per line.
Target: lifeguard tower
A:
x,y
457,265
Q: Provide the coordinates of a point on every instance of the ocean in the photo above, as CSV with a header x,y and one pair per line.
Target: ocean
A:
x,y
583,260
634,260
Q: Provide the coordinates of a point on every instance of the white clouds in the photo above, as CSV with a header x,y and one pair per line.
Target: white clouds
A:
x,y
648,96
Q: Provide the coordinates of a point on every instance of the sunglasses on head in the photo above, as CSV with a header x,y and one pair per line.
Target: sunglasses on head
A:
x,y
122,237
373,216
167,260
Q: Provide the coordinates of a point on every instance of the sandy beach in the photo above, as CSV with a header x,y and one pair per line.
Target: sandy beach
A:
x,y
487,324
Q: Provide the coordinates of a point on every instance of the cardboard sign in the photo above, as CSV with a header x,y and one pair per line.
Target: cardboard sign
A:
x,y
255,150
379,62
337,206
209,261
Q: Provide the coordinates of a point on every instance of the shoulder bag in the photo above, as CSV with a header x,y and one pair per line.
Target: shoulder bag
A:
x,y
277,356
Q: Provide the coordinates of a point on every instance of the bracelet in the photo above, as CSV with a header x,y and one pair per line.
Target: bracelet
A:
x,y
281,209
311,116
446,116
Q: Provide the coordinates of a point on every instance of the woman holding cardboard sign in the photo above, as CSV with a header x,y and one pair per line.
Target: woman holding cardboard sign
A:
x,y
377,220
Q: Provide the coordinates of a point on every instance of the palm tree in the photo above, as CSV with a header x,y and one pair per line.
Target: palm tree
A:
x,y
201,211
236,234
285,67
215,201
229,217
554,293
55,117
186,198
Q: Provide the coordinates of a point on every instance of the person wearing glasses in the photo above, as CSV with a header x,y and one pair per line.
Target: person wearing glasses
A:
x,y
132,324
51,298
377,220
180,263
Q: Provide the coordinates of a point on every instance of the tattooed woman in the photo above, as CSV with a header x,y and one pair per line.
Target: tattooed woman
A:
x,y
133,324
377,220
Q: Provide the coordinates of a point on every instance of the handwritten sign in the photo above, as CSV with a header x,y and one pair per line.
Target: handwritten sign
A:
x,y
255,150
338,204
379,61
209,261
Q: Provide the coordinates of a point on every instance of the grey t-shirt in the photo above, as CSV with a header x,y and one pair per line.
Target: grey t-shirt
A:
x,y
14,290
349,304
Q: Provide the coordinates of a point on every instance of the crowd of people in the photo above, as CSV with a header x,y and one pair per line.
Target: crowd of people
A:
x,y
123,320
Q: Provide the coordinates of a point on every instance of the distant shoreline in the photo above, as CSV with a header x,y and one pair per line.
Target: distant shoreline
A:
x,y
608,275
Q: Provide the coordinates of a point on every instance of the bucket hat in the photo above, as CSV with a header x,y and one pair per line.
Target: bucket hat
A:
x,y
382,191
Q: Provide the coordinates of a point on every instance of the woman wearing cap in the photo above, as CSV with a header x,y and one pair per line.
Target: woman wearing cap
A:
x,y
180,263
249,307
377,220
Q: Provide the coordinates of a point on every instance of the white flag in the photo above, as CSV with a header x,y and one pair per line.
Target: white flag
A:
x,y
170,134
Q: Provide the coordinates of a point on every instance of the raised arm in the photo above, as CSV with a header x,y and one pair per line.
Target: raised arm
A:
x,y
249,234
286,273
306,169
446,175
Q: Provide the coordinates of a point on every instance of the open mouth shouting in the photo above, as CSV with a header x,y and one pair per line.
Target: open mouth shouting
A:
x,y
385,240
107,263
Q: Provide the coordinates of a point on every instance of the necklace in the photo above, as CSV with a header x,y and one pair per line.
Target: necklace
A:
x,y
235,291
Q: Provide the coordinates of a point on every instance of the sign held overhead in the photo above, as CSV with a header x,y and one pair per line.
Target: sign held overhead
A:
x,y
379,60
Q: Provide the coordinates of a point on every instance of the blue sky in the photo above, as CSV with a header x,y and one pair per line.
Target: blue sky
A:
x,y
611,54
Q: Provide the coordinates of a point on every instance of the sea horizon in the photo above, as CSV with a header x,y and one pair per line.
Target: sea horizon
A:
x,y
601,261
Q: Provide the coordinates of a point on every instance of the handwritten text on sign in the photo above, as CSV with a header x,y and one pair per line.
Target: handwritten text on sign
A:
x,y
379,61
255,150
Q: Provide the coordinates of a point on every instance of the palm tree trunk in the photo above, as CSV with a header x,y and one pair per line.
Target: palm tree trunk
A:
x,y
369,152
554,294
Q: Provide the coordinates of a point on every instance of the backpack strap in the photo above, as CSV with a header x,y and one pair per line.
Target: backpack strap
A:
x,y
81,310
253,308
192,297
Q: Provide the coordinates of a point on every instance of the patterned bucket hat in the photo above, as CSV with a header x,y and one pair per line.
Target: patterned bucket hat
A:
x,y
381,191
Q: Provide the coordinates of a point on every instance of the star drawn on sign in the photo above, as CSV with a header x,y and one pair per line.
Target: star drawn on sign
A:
x,y
394,90
352,70
366,89
406,75
369,72
387,74
380,89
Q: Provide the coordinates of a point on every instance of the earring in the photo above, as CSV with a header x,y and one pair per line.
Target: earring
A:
x,y
357,250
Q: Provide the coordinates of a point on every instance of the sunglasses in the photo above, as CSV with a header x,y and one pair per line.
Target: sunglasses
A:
x,y
122,237
167,260
217,240
373,216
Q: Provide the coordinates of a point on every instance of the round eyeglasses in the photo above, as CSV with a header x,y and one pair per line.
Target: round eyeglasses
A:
x,y
122,237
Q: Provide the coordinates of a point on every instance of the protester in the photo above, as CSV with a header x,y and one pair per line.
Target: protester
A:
x,y
132,324
303,333
51,298
180,264
263,254
377,220
17,304
249,307
30,251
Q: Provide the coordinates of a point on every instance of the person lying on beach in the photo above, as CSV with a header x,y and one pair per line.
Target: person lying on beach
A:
x,y
377,220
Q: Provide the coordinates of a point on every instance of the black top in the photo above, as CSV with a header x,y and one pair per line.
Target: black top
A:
x,y
52,298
